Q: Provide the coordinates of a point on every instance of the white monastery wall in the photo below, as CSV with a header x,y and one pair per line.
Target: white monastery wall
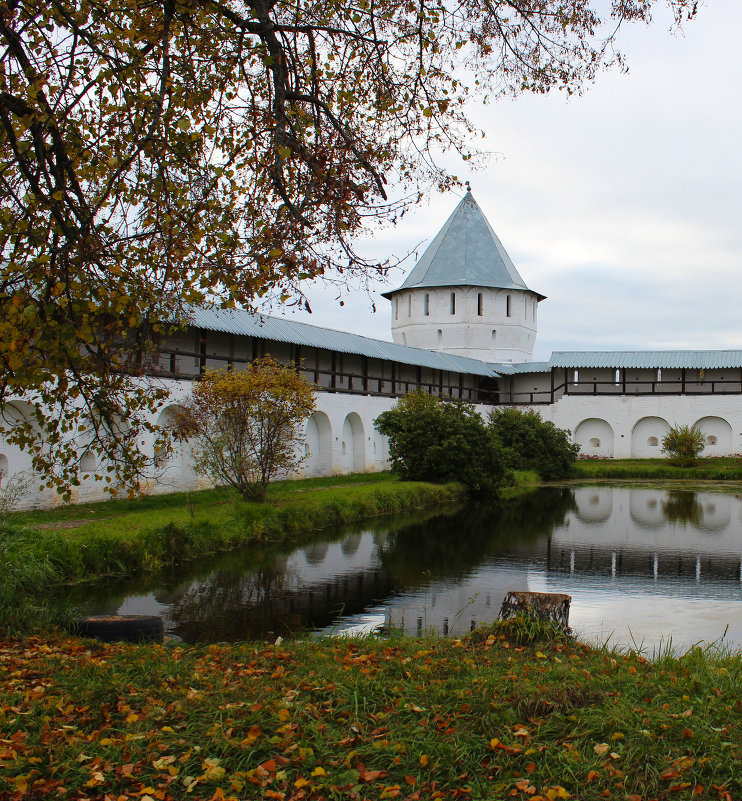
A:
x,y
339,438
633,426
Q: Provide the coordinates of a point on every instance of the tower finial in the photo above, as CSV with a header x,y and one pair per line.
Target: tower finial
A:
x,y
468,186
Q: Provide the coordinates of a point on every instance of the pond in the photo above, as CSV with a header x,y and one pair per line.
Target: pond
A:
x,y
646,568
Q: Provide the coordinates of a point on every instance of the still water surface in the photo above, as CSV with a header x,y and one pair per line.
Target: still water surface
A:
x,y
644,567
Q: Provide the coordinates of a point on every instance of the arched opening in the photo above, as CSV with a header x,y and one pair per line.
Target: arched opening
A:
x,y
88,463
440,338
717,436
595,437
354,442
646,437
318,445
169,453
4,468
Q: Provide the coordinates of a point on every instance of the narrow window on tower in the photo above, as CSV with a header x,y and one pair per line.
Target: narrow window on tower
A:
x,y
577,377
396,308
507,305
440,338
618,377
659,374
453,303
480,304
426,305
409,305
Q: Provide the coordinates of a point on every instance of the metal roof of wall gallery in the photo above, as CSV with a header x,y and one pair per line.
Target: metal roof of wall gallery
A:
x,y
630,359
279,329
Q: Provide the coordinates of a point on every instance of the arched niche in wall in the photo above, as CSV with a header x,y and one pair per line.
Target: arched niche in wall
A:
x,y
353,444
4,468
595,437
88,463
318,445
717,436
646,437
173,452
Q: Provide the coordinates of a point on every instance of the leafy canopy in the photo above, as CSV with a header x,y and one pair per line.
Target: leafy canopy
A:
x,y
160,153
440,441
245,425
531,443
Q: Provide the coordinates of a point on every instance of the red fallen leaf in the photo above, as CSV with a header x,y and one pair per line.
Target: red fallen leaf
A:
x,y
410,779
698,789
531,767
676,788
670,773
687,733
592,776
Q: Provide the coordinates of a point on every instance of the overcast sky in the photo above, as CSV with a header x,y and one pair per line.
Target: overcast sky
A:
x,y
623,206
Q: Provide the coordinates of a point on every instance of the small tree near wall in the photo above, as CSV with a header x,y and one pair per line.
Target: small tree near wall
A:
x,y
683,445
245,426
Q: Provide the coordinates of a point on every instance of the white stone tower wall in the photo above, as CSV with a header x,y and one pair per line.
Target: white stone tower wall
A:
x,y
505,331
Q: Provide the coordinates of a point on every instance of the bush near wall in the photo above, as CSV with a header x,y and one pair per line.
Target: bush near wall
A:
x,y
440,441
531,443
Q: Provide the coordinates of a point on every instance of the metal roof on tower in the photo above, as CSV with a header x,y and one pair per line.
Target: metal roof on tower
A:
x,y
466,252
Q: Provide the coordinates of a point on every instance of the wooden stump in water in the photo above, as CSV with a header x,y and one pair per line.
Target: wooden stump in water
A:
x,y
550,606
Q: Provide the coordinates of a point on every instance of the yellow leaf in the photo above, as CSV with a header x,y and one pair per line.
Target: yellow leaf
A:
x,y
299,783
319,771
539,655
424,761
601,748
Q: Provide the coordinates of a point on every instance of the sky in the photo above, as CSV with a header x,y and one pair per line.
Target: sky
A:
x,y
623,206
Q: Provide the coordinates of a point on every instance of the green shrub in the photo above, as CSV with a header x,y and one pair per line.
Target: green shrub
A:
x,y
439,441
683,445
531,443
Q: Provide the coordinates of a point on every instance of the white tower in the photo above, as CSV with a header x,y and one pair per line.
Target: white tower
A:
x,y
464,296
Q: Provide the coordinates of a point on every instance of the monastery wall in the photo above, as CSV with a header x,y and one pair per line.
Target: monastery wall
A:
x,y
339,438
627,426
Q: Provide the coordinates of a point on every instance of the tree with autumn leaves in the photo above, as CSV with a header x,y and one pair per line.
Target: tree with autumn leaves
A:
x,y
244,425
172,152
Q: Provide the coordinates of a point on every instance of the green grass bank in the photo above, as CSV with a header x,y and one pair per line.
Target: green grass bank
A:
x,y
492,716
714,469
91,541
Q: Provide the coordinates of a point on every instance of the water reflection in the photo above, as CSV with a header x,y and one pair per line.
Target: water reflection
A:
x,y
641,564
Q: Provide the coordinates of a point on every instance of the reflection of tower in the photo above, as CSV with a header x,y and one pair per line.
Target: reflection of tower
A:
x,y
464,296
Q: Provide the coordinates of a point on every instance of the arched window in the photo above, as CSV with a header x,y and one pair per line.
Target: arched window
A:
x,y
710,440
480,304
594,442
453,303
653,442
507,305
440,338
494,338
426,305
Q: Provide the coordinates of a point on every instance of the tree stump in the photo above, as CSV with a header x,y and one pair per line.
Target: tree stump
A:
x,y
549,606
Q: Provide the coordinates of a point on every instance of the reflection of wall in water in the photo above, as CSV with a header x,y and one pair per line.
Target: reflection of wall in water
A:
x,y
618,531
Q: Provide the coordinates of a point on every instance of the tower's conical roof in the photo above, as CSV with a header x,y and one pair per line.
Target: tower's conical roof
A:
x,y
466,252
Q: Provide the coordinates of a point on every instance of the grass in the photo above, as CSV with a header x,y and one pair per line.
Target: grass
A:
x,y
503,713
40,550
712,469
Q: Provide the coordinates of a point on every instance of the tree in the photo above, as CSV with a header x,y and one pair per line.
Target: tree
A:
x,y
245,425
531,443
168,152
439,441
683,445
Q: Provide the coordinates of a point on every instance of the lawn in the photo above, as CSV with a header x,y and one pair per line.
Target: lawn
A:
x,y
491,716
